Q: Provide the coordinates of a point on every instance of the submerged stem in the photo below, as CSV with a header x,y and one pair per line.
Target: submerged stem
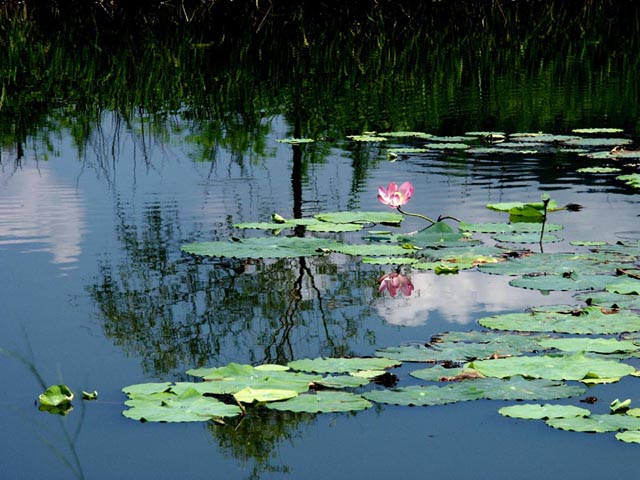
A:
x,y
415,215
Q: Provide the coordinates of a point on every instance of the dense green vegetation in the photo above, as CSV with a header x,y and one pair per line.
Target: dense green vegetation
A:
x,y
330,69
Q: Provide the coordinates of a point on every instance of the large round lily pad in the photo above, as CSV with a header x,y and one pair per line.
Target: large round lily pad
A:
x,y
342,365
269,247
323,401
536,411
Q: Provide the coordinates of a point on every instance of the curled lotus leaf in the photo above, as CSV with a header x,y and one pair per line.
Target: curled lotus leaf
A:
x,y
596,423
535,411
55,396
323,401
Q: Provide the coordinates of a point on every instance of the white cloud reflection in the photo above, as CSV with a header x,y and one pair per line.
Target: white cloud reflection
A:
x,y
460,298
40,213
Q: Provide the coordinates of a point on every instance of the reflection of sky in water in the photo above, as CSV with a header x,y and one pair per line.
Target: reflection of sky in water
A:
x,y
41,213
458,298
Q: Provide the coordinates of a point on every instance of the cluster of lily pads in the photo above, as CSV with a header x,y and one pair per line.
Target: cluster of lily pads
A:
x,y
545,353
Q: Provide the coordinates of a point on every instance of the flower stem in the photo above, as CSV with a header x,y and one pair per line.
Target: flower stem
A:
x,y
415,215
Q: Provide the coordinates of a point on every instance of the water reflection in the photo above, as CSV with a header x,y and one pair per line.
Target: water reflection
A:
x,y
459,298
41,212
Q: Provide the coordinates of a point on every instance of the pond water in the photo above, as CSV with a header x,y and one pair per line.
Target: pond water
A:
x,y
97,294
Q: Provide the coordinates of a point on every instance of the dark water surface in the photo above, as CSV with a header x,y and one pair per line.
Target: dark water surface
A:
x,y
96,294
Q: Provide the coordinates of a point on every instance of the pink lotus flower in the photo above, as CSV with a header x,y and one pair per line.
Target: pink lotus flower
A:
x,y
394,196
394,282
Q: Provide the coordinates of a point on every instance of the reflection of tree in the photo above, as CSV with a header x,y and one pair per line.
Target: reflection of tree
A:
x,y
177,313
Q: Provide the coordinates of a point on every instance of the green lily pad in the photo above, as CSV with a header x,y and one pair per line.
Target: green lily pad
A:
x,y
629,436
552,367
387,218
234,377
560,263
439,234
624,286
598,142
295,141
323,401
406,150
190,406
371,250
342,365
291,223
438,373
346,381
516,388
403,134
596,423
632,179
540,412
55,396
562,282
607,299
366,138
334,227
597,345
447,146
518,227
389,261
523,209
597,130
146,388
250,395
598,170
590,320
526,238
270,247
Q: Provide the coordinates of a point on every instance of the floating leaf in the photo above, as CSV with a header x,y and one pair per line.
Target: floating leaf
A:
x,y
598,142
596,423
632,179
366,138
516,388
291,223
540,412
90,395
624,286
559,263
388,218
347,381
403,134
323,401
552,367
597,345
342,365
370,250
518,227
271,247
630,436
526,238
190,406
447,146
562,282
55,396
590,320
598,170
295,141
234,377
389,261
439,234
597,130
334,227
250,395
